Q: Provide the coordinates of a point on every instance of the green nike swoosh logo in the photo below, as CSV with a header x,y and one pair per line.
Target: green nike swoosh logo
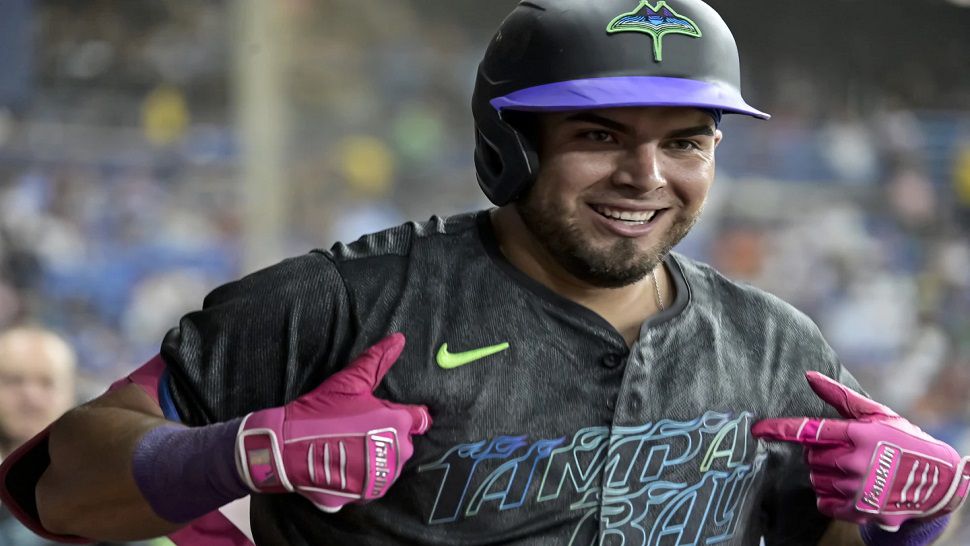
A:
x,y
450,361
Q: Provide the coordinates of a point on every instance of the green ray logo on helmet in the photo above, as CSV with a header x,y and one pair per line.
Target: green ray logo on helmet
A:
x,y
657,21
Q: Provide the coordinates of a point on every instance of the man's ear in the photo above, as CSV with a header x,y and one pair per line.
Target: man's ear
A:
x,y
718,135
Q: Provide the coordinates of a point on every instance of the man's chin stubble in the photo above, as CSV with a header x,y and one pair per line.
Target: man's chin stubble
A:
x,y
611,268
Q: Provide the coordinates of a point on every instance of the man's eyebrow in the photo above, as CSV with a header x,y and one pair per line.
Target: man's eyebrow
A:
x,y
700,130
597,119
590,117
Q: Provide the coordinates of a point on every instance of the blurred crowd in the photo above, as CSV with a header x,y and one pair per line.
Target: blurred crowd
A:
x,y
120,206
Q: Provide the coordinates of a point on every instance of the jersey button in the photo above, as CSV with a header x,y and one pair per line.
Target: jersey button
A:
x,y
613,361
611,404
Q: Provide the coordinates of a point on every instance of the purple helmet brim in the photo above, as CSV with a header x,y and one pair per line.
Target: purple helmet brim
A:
x,y
627,91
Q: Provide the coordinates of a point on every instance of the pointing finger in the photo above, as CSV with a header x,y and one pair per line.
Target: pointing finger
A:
x,y
801,430
367,370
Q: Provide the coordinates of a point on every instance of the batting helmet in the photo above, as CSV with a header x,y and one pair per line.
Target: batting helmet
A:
x,y
560,55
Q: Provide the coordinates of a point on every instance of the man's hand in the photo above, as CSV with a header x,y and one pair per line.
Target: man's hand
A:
x,y
874,466
338,443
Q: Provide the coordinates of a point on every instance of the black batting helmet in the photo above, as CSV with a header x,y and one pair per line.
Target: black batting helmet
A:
x,y
560,55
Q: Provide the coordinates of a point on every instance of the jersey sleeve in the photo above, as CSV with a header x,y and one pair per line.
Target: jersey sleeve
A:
x,y
259,342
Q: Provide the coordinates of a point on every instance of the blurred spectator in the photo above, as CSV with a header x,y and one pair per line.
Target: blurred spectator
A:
x,y
848,147
37,370
367,165
37,385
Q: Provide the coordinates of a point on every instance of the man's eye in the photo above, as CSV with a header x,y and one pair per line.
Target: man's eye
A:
x,y
598,136
684,145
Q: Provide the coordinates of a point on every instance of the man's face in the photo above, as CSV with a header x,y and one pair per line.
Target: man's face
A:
x,y
618,188
36,387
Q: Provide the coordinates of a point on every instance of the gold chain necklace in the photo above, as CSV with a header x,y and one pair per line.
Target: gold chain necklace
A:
x,y
656,289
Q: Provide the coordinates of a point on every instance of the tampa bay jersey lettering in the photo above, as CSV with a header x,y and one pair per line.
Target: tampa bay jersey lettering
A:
x,y
643,497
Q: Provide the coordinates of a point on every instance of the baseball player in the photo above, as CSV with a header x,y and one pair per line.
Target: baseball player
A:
x,y
545,372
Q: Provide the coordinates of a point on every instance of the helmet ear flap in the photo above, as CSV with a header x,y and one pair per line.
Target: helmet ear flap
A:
x,y
506,161
487,157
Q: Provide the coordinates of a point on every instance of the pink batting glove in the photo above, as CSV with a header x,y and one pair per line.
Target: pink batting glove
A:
x,y
336,444
874,466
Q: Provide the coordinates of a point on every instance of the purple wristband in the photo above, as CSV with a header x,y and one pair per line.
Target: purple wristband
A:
x,y
911,533
185,473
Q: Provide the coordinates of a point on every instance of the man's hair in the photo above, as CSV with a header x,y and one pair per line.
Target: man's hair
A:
x,y
59,348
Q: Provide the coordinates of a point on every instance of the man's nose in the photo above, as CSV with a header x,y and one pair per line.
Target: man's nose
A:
x,y
37,393
642,169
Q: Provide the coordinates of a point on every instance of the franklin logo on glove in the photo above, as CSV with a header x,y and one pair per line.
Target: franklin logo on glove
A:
x,y
886,464
383,473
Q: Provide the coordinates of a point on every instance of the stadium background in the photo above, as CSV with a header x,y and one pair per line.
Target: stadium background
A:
x,y
152,150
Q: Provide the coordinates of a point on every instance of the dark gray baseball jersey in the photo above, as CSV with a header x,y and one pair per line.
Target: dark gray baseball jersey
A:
x,y
565,436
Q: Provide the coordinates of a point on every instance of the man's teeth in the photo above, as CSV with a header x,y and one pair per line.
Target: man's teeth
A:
x,y
626,216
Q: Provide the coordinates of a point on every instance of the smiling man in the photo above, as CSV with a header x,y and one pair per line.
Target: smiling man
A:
x,y
618,189
568,378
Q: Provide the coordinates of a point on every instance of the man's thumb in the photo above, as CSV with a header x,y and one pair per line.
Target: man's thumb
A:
x,y
366,372
849,404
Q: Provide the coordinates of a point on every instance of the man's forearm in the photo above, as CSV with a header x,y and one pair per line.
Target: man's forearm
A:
x,y
88,490
120,471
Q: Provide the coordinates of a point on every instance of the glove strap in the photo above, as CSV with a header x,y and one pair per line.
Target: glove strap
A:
x,y
259,455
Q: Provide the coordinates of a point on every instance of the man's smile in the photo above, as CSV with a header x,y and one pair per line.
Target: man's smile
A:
x,y
627,222
634,216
